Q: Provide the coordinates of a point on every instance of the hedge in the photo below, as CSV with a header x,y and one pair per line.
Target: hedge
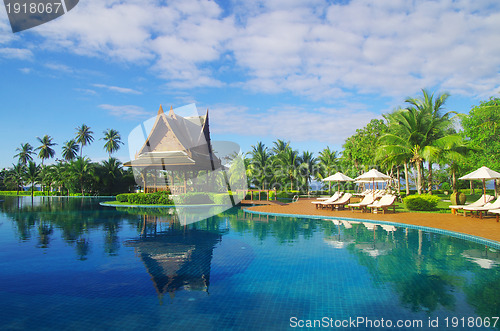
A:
x,y
157,198
422,202
196,198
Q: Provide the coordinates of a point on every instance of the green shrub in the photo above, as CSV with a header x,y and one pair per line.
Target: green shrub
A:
x,y
156,198
423,202
222,198
122,198
196,198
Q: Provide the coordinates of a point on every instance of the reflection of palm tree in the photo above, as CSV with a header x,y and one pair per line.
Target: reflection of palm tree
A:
x,y
24,154
113,141
82,248
84,137
425,292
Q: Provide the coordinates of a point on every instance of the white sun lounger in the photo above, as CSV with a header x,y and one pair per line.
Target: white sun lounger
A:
x,y
367,200
384,203
479,210
478,203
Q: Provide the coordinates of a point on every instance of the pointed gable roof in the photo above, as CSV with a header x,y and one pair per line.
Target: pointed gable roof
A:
x,y
177,140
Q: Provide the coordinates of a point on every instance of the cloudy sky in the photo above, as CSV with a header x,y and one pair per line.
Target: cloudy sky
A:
x,y
311,72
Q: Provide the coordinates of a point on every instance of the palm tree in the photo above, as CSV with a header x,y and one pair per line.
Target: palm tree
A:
x,y
307,165
327,161
413,131
46,150
452,151
17,175
70,150
287,162
280,146
259,165
113,141
32,175
24,154
81,170
439,124
84,137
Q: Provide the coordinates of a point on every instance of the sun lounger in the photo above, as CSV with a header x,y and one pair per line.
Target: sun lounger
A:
x,y
384,203
341,202
321,204
485,208
367,200
336,195
496,212
478,203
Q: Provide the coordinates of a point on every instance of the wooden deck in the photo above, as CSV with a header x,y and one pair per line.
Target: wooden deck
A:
x,y
263,202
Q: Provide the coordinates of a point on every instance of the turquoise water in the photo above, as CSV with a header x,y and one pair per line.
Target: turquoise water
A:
x,y
75,265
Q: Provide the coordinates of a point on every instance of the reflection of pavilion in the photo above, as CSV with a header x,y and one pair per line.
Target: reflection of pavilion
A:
x,y
177,259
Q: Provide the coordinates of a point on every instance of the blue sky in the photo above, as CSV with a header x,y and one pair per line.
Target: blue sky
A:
x,y
311,72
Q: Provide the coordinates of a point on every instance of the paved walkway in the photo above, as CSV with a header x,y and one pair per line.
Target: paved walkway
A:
x,y
486,228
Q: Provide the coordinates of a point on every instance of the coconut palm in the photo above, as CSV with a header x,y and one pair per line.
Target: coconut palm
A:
x,y
24,154
413,131
260,159
286,164
307,165
81,170
32,174
70,150
280,146
17,175
327,162
452,151
113,141
45,149
84,137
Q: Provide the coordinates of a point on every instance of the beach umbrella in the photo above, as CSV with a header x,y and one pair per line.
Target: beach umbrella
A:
x,y
373,176
483,173
338,177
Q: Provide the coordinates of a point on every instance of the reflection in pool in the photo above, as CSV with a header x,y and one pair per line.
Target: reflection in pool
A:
x,y
73,264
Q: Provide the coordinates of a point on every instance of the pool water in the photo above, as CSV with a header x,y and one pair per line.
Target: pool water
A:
x,y
69,263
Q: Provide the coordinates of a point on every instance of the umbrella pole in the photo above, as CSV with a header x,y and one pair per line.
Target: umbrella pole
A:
x,y
484,190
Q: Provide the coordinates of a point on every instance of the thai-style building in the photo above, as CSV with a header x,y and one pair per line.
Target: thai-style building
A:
x,y
176,150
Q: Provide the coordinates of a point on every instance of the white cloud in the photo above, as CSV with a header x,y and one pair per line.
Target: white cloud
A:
x,y
318,49
16,53
126,111
328,125
117,89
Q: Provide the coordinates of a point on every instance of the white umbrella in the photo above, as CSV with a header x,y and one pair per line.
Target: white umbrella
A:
x,y
338,177
483,173
372,175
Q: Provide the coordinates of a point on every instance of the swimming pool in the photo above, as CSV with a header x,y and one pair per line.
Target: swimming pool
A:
x,y
69,263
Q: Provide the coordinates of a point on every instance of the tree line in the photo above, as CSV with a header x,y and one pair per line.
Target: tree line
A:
x,y
421,145
74,172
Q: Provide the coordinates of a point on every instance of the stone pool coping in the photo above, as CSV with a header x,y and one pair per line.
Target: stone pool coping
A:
x,y
485,231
